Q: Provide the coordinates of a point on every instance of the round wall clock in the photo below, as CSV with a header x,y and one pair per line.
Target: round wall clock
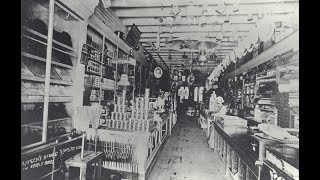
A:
x,y
158,72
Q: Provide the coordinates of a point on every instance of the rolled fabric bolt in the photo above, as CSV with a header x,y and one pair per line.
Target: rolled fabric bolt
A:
x,y
137,103
146,96
142,103
123,100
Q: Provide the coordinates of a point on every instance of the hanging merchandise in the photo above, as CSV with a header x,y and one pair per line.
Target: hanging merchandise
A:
x,y
253,36
232,58
265,28
175,78
190,79
180,93
195,94
178,19
186,94
183,78
175,10
219,36
201,94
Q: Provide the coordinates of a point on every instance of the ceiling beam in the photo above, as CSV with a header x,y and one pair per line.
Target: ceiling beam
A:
x,y
280,8
163,46
167,3
163,40
196,28
225,41
153,21
189,34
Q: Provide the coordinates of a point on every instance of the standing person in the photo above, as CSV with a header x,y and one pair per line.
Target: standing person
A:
x,y
221,112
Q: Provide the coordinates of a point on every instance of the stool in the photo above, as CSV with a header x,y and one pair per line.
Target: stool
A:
x,y
89,157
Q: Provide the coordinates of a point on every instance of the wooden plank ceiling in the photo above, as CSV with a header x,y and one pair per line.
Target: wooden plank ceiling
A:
x,y
147,15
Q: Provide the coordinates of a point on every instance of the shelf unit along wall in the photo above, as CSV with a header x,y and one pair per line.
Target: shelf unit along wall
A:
x,y
51,38
272,79
104,65
61,26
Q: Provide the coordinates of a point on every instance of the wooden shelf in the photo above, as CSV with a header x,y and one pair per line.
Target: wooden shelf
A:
x,y
109,66
291,63
98,100
94,48
266,80
108,56
40,98
265,77
90,58
45,37
92,73
25,54
49,121
286,44
104,89
52,81
265,93
266,71
266,109
248,107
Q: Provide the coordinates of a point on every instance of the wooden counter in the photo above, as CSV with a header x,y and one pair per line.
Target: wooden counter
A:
x,y
132,151
235,146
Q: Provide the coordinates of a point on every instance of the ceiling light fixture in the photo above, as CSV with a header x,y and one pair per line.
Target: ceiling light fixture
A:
x,y
202,59
124,80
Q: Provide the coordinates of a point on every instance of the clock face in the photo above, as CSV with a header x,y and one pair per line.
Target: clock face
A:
x,y
158,72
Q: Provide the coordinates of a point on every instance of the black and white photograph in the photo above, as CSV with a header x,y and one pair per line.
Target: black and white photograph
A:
x,y
159,89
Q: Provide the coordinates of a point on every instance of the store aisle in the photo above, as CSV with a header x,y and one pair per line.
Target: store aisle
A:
x,y
187,156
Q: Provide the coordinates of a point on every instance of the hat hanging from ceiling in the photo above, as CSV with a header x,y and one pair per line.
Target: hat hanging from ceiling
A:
x,y
232,56
237,52
178,19
219,36
253,36
175,10
250,49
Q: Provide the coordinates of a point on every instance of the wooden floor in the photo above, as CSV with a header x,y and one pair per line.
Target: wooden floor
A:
x,y
187,156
